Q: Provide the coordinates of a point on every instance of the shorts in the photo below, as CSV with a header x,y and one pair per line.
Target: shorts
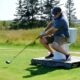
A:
x,y
59,39
49,39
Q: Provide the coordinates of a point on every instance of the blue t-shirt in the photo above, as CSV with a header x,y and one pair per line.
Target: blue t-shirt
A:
x,y
62,26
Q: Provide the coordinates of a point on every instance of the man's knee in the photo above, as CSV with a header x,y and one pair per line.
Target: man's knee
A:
x,y
43,40
55,45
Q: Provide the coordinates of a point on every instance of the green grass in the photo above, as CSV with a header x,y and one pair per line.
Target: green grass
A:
x,y
20,68
22,37
12,41
19,36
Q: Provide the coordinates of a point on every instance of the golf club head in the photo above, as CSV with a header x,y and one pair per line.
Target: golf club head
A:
x,y
31,44
7,61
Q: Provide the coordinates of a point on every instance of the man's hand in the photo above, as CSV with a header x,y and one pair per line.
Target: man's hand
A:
x,y
42,34
51,31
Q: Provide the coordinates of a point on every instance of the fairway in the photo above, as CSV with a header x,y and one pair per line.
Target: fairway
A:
x,y
20,68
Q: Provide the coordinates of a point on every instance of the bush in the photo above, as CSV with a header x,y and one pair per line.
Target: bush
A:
x,y
27,24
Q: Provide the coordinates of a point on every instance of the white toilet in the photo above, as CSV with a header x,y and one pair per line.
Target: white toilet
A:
x,y
72,39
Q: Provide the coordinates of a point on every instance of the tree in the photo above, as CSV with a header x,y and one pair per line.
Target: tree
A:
x,y
19,10
49,4
16,23
25,14
70,11
30,9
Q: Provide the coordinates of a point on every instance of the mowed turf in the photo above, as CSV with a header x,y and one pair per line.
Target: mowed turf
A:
x,y
20,68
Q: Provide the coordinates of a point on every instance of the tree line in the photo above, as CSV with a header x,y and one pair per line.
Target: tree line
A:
x,y
33,13
36,13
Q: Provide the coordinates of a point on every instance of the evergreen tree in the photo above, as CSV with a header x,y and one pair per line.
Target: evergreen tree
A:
x,y
49,4
70,11
30,9
16,24
19,10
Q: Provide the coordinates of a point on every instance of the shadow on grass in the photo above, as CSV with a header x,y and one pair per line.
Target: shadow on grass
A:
x,y
39,70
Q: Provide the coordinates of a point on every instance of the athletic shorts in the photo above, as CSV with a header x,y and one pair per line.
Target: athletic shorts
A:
x,y
49,39
59,39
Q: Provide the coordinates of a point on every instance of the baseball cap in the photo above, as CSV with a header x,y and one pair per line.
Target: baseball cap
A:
x,y
55,10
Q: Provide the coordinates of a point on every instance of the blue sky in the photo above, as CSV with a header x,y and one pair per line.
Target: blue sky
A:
x,y
8,9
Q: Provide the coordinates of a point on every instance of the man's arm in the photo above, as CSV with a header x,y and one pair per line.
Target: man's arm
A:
x,y
51,31
48,26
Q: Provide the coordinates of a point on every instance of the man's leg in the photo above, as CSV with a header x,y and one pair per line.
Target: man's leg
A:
x,y
58,42
58,48
44,42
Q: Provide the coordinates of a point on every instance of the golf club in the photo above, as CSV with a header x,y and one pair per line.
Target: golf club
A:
x,y
32,43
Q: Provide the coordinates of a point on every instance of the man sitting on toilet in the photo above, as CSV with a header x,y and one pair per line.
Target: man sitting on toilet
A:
x,y
56,34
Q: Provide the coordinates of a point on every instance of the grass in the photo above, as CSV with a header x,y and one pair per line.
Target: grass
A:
x,y
20,68
22,37
12,41
19,36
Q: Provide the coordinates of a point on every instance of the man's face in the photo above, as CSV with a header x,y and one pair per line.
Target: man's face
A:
x,y
56,15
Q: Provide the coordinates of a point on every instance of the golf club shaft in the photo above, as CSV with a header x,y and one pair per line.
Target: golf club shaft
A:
x,y
24,48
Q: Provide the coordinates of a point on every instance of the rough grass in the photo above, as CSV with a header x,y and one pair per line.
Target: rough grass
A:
x,y
19,36
22,37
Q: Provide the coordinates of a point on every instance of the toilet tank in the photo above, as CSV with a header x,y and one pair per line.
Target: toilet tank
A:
x,y
73,35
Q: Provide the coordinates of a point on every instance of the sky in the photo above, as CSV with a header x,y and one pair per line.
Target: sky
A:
x,y
8,8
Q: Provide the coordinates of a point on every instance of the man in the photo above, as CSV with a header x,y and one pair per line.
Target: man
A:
x,y
56,34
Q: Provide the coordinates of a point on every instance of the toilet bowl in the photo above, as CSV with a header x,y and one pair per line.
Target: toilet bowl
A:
x,y
71,40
